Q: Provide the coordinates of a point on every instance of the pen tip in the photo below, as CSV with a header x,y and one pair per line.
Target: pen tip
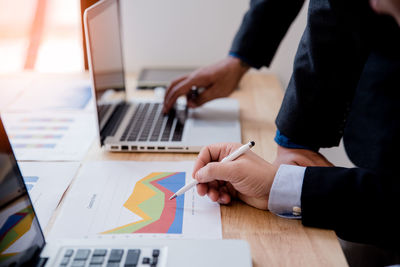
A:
x,y
252,143
172,197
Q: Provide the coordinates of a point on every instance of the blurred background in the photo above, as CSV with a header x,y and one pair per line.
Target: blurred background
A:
x,y
46,35
40,35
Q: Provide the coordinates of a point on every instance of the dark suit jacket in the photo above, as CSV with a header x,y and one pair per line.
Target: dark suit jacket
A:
x,y
345,83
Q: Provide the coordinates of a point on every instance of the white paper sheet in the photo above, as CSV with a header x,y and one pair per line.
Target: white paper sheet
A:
x,y
130,200
50,136
46,183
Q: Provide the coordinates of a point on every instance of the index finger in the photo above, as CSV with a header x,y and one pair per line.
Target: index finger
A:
x,y
172,95
212,153
170,88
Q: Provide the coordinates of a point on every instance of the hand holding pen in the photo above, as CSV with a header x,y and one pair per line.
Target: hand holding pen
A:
x,y
248,178
238,152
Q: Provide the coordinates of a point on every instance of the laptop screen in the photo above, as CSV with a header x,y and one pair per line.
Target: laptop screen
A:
x,y
105,54
21,238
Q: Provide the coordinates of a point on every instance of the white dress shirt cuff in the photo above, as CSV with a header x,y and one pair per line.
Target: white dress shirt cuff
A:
x,y
285,195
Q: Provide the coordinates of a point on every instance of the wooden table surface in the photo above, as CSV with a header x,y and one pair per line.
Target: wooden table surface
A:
x,y
274,241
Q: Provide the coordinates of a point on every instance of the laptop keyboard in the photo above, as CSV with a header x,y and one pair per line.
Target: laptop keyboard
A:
x,y
148,123
103,109
110,258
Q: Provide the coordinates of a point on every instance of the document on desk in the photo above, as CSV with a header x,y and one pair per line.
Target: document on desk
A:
x,y
50,136
121,199
46,183
52,92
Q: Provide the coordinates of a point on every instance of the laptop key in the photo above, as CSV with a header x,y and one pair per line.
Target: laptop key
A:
x,y
177,136
146,260
135,130
78,263
168,126
157,128
149,123
97,260
116,255
112,264
68,253
65,260
82,254
156,253
132,122
99,252
132,258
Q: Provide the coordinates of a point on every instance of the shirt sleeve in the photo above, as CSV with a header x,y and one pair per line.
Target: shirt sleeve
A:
x,y
285,195
284,141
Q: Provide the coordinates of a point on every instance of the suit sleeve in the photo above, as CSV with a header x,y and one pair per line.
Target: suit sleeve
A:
x,y
327,68
360,205
262,29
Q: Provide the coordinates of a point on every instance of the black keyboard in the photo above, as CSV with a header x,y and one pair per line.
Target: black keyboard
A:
x,y
148,123
109,257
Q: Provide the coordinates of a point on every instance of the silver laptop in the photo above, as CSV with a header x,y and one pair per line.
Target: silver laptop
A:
x,y
139,125
22,242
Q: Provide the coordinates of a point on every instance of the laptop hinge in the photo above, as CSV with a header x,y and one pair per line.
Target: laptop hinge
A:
x,y
41,262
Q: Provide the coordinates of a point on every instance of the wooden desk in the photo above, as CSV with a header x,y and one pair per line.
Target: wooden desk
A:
x,y
274,241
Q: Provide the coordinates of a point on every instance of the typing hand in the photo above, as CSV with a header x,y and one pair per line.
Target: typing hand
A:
x,y
300,157
219,80
248,177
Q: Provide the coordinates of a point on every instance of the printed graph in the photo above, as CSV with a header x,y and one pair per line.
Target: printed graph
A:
x,y
150,201
14,228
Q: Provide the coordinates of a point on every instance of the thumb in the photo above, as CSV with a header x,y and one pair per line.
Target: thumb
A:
x,y
213,171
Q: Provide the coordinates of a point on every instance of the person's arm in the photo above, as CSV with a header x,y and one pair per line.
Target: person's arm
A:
x,y
262,29
327,68
358,204
285,195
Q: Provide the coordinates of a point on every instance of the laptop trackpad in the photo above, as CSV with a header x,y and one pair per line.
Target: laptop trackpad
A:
x,y
218,119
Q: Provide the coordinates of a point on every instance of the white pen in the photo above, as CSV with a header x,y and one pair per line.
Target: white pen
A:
x,y
234,155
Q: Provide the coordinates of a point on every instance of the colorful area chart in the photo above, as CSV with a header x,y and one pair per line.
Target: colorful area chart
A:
x,y
14,228
150,201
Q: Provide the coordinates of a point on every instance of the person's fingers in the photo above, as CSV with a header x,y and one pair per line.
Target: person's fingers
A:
x,y
183,88
176,81
213,194
215,171
172,95
214,185
215,152
202,189
224,198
